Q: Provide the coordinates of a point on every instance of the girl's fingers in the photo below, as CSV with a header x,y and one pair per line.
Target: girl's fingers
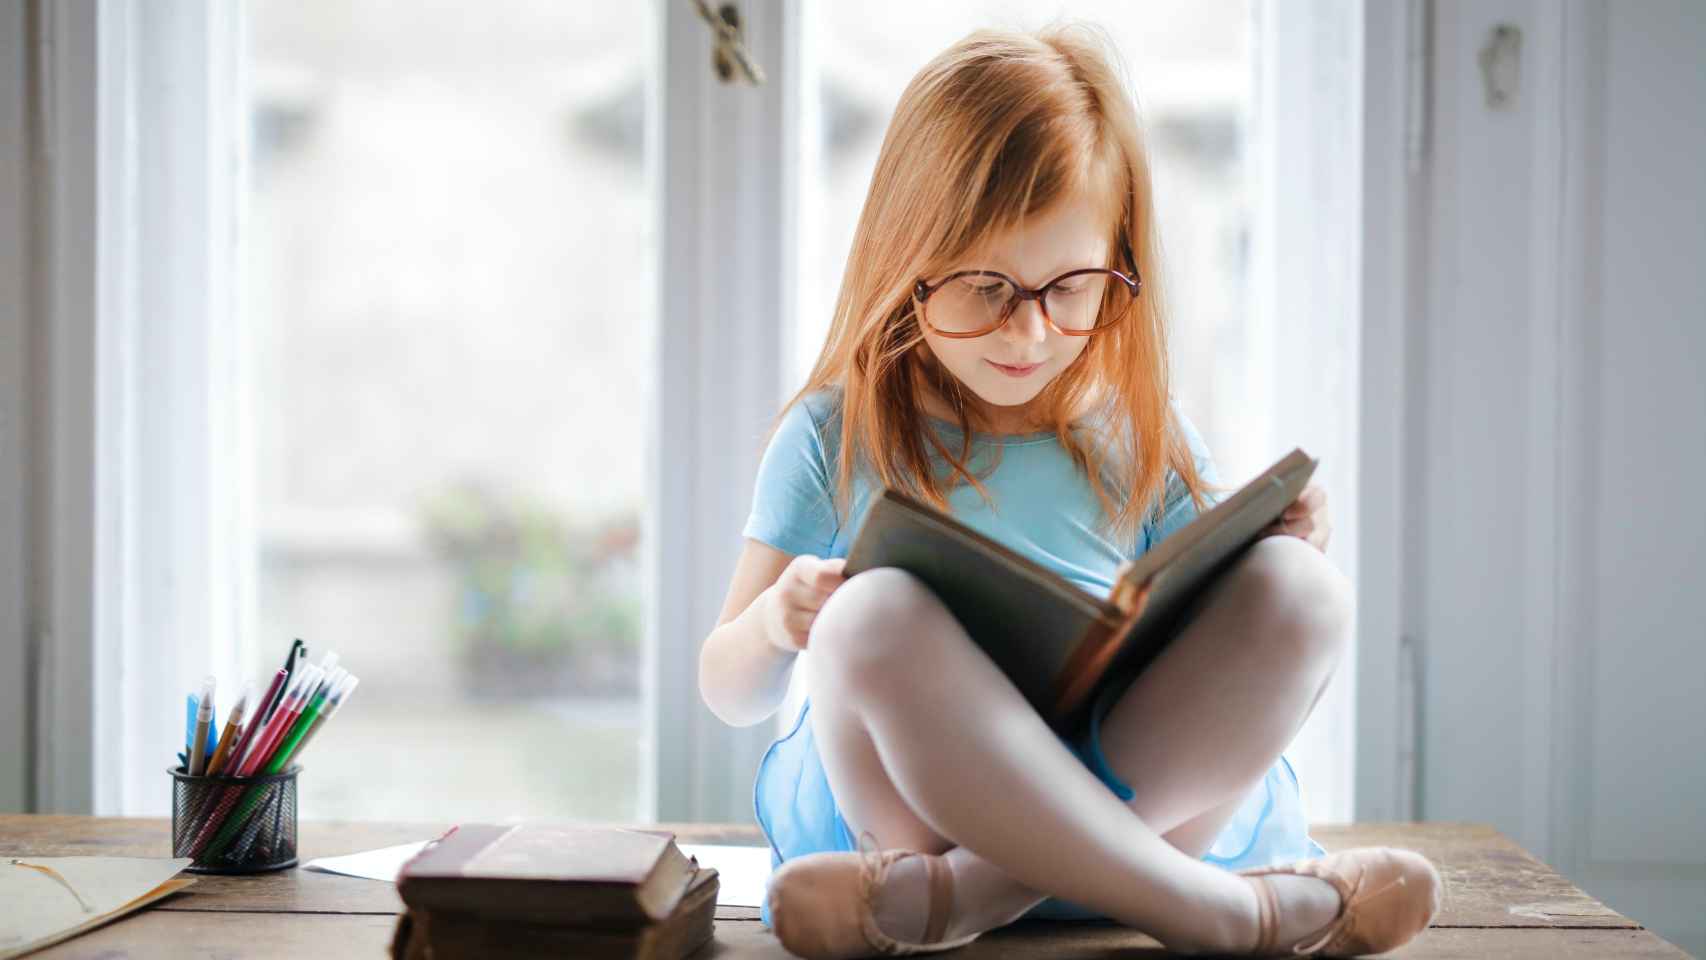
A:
x,y
1311,500
798,622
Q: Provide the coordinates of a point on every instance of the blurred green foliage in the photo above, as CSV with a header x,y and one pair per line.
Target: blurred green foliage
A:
x,y
544,604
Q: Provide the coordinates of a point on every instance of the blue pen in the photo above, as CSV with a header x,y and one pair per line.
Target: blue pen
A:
x,y
189,727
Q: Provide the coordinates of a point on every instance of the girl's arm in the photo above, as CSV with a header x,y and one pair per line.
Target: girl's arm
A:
x,y
745,663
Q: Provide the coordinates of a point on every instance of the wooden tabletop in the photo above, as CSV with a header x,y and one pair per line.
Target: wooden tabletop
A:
x,y
1499,900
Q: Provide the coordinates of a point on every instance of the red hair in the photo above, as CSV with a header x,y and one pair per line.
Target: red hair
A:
x,y
1000,126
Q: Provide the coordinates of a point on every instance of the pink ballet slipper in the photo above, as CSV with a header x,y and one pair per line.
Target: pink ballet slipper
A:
x,y
1386,895
821,909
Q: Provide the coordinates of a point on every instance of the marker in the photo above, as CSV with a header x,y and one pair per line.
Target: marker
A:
x,y
263,746
339,695
271,755
233,729
263,706
292,745
260,751
203,727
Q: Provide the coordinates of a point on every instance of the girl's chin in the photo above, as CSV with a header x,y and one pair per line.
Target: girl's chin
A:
x,y
1000,391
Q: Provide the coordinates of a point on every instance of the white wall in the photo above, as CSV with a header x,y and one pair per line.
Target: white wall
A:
x,y
1557,591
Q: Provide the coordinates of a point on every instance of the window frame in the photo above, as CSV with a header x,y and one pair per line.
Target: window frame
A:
x,y
135,544
125,565
724,182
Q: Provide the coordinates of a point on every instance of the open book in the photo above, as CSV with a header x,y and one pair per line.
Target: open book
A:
x,y
1060,644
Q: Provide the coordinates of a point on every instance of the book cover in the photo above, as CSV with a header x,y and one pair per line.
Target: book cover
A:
x,y
1057,642
571,874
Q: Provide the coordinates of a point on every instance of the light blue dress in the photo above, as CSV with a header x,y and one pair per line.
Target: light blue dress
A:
x,y
1044,509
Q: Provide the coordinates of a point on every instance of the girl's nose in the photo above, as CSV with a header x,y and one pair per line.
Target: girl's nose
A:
x,y
1027,324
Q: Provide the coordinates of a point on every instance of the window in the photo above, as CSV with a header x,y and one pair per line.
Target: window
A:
x,y
462,236
448,266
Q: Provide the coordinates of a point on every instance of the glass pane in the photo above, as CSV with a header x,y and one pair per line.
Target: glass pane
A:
x,y
1189,62
448,265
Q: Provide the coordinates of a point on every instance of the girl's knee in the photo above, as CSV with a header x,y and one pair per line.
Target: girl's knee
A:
x,y
873,619
1303,601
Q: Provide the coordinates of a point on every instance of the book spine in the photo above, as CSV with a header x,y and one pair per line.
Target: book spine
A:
x,y
1090,661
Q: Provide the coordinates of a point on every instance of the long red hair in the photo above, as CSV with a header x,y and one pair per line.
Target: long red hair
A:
x,y
997,127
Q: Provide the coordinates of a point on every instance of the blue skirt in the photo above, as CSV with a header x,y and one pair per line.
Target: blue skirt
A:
x,y
797,812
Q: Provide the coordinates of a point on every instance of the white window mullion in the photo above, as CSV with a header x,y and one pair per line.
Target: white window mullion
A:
x,y
1389,143
1303,332
72,722
139,111
721,371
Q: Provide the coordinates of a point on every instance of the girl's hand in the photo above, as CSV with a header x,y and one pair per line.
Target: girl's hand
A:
x,y
1306,518
800,593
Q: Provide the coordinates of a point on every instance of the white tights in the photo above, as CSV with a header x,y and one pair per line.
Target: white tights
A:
x,y
927,745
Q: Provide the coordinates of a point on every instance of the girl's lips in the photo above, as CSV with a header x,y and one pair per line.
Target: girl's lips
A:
x,y
1024,371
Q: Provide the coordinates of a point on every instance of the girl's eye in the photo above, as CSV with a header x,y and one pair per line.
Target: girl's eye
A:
x,y
1069,289
989,290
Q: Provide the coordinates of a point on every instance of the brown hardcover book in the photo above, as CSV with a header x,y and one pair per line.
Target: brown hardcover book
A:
x,y
454,935
1058,643
569,875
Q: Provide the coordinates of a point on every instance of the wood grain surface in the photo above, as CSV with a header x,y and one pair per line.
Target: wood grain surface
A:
x,y
1500,901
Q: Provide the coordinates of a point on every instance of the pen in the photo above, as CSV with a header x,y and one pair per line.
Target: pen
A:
x,y
296,646
203,727
233,729
189,729
339,695
330,675
305,716
267,754
259,752
289,705
287,750
241,763
258,720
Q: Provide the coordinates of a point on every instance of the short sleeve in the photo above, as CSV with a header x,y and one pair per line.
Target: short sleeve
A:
x,y
1178,509
793,507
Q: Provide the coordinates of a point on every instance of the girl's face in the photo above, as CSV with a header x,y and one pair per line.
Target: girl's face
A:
x,y
1008,367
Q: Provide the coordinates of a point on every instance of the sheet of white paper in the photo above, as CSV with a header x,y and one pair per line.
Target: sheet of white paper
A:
x,y
381,864
741,871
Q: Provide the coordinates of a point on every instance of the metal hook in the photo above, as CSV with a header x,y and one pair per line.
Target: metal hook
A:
x,y
1501,65
729,49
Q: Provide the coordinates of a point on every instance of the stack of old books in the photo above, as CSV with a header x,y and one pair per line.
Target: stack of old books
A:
x,y
527,890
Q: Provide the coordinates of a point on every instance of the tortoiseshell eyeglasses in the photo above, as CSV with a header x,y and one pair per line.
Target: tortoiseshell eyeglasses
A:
x,y
974,303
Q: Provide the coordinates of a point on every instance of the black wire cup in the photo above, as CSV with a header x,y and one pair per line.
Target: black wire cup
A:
x,y
234,824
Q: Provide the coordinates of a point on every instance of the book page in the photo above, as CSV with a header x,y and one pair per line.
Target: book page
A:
x,y
50,898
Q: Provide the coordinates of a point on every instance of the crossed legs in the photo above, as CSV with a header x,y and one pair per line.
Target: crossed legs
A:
x,y
927,745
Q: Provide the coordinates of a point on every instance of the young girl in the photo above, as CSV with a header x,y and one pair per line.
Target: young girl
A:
x,y
998,349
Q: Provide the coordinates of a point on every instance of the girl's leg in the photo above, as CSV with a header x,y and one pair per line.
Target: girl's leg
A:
x,y
900,691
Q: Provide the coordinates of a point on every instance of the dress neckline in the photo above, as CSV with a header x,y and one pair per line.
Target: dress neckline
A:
x,y
1003,439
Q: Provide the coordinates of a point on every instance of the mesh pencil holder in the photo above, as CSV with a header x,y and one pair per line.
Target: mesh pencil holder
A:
x,y
234,824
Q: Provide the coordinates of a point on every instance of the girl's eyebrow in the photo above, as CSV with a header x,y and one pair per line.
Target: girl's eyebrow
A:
x,y
1058,271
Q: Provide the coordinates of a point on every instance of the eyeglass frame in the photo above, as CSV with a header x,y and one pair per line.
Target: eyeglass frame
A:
x,y
923,289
